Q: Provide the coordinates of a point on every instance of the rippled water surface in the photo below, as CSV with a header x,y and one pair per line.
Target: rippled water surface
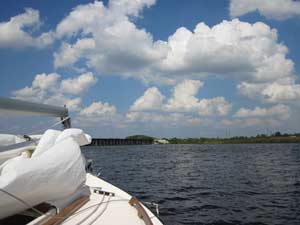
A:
x,y
208,184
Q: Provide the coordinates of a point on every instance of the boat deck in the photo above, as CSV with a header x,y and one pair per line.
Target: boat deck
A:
x,y
108,205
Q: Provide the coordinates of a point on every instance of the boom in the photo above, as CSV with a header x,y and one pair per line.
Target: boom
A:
x,y
25,107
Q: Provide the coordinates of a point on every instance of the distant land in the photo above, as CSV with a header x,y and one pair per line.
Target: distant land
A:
x,y
148,140
277,137
140,137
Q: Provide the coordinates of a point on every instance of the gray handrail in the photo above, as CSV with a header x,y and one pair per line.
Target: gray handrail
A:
x,y
15,105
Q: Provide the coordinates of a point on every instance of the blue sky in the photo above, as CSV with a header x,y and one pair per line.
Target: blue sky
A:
x,y
162,68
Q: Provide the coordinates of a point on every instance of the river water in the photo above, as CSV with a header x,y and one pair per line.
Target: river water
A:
x,y
208,184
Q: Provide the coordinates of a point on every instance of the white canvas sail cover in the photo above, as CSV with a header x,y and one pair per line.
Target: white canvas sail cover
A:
x,y
55,171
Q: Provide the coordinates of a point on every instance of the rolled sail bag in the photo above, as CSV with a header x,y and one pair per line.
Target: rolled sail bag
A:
x,y
46,142
77,134
50,175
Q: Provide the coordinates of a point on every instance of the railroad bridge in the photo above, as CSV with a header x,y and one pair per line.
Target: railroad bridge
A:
x,y
119,141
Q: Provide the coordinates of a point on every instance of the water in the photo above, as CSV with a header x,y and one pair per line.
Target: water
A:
x,y
209,184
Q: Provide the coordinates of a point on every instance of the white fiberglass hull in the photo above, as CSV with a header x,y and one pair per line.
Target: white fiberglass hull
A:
x,y
107,210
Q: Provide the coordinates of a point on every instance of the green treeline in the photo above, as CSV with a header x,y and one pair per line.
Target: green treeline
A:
x,y
261,138
140,137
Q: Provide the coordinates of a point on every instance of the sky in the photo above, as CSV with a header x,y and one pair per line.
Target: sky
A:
x,y
163,68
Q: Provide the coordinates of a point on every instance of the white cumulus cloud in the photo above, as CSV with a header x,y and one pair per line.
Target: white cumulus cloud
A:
x,y
14,33
99,114
234,49
45,81
48,89
41,84
276,92
59,99
162,118
279,91
273,9
69,54
106,39
184,100
98,109
84,18
78,84
115,44
214,106
152,99
277,111
130,7
109,42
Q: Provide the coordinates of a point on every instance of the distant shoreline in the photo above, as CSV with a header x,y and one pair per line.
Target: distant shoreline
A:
x,y
236,140
260,138
147,140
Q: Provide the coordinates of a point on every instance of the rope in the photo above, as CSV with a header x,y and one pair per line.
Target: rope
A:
x,y
96,208
54,125
92,206
28,138
101,213
78,212
24,203
69,217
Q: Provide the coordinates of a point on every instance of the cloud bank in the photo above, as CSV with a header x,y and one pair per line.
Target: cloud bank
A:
x,y
272,9
14,33
48,89
105,39
248,54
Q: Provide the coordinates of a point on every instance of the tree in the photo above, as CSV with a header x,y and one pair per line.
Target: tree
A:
x,y
277,134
